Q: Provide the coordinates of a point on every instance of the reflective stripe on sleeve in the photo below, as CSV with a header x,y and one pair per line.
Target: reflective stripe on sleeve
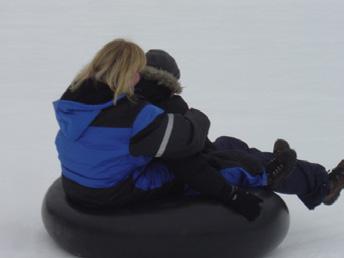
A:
x,y
167,136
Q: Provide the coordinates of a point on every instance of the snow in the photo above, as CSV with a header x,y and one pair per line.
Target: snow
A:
x,y
260,70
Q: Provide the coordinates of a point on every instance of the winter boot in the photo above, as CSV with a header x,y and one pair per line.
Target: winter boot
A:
x,y
280,145
283,163
336,183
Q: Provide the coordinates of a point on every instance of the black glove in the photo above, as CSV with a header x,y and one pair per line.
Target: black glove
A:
x,y
244,203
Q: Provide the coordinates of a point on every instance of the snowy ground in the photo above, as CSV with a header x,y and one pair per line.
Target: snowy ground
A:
x,y
260,70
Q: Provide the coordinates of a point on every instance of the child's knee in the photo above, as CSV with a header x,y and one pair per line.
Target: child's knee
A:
x,y
230,143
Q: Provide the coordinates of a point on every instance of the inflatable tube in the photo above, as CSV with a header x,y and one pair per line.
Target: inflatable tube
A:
x,y
186,228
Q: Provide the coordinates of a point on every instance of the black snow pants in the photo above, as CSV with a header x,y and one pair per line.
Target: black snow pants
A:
x,y
309,181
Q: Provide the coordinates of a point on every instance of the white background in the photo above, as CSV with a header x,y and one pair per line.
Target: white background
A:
x,y
259,69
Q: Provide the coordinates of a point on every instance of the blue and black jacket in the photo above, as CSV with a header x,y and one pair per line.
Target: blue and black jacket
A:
x,y
101,143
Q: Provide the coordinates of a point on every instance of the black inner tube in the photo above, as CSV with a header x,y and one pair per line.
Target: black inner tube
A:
x,y
191,227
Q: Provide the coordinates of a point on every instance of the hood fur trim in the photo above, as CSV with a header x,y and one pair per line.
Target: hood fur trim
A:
x,y
163,78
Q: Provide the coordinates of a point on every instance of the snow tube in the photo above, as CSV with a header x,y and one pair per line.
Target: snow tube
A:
x,y
192,227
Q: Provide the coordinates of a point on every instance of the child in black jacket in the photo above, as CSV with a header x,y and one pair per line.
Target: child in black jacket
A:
x,y
159,84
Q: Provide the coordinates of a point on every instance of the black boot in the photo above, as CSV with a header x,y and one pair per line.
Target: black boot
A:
x,y
280,145
336,182
283,163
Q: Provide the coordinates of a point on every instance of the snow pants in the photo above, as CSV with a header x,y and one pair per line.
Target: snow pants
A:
x,y
309,181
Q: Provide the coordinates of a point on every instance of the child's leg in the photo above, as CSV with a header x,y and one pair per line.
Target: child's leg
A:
x,y
162,178
308,180
196,172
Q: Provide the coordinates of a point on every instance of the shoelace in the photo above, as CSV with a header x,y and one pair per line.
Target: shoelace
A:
x,y
277,167
277,170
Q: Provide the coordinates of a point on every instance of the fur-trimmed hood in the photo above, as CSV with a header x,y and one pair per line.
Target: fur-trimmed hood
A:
x,y
162,78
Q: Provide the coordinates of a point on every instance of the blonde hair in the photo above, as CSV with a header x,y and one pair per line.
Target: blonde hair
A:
x,y
115,64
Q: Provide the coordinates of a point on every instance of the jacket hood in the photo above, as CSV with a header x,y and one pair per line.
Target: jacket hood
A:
x,y
74,117
162,78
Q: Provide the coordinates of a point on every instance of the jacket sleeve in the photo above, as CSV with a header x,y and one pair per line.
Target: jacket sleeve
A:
x,y
170,135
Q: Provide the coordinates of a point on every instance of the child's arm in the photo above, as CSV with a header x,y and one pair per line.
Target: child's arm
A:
x,y
171,135
164,98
